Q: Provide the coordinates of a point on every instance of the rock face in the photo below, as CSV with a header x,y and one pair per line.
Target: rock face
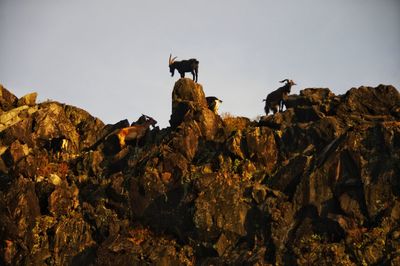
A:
x,y
315,185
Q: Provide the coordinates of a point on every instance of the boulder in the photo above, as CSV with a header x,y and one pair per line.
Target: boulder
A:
x,y
187,97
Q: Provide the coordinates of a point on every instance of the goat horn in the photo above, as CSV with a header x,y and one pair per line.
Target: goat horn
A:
x,y
170,61
285,80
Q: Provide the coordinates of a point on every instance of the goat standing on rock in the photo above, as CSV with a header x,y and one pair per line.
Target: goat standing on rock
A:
x,y
213,103
278,97
135,132
191,65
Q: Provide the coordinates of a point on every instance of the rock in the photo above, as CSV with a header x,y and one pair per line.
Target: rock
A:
x,y
15,153
14,116
306,114
322,98
186,90
87,126
315,100
55,179
17,218
218,209
140,245
187,96
259,193
279,120
63,200
367,101
29,99
288,177
222,244
72,238
261,147
187,141
8,100
316,184
234,144
232,124
210,124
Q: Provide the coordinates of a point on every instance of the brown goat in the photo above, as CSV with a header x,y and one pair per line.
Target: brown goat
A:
x,y
191,65
278,97
135,132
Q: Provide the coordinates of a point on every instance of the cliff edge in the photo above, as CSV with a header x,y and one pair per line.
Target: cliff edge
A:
x,y
317,184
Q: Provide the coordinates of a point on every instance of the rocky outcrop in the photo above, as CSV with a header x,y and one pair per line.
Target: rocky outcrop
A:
x,y
314,185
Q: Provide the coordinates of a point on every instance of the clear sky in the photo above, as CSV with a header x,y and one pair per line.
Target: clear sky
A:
x,y
110,57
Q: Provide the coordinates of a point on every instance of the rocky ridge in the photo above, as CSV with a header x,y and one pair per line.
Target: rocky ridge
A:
x,y
315,185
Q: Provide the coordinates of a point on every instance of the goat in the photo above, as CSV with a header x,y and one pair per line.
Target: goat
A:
x,y
57,145
135,132
191,65
213,103
278,97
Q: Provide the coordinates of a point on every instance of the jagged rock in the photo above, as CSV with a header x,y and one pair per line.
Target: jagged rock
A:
x,y
15,153
15,116
315,184
141,246
234,144
232,124
186,140
219,208
307,113
29,99
72,237
261,147
8,100
289,176
257,145
85,125
18,216
187,98
279,120
379,101
63,200
51,122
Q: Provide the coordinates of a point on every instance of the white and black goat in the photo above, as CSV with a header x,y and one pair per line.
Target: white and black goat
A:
x,y
276,99
183,66
213,103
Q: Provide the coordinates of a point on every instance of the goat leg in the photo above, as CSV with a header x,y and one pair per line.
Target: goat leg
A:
x,y
194,79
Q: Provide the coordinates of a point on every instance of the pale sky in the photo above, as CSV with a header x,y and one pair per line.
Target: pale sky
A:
x,y
110,57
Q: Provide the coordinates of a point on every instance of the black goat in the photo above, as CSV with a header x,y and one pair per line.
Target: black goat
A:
x,y
191,65
278,97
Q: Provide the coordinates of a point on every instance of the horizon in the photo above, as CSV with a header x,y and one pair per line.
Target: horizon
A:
x,y
112,61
